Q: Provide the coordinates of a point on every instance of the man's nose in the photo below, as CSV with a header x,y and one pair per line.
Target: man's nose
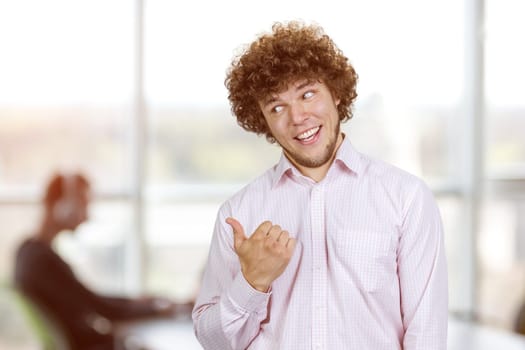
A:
x,y
298,112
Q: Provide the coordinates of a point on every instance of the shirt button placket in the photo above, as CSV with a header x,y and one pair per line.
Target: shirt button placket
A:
x,y
319,277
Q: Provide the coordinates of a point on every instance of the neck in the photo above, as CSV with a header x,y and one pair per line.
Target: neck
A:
x,y
318,173
47,231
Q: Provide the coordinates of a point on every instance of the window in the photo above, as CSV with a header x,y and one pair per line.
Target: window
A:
x,y
501,243
405,100
133,93
66,97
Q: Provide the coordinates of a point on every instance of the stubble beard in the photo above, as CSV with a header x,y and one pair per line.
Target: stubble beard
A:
x,y
324,158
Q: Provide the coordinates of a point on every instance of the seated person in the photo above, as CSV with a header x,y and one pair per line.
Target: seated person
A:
x,y
86,318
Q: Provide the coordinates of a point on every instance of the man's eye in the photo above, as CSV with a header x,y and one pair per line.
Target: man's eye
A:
x,y
308,94
277,109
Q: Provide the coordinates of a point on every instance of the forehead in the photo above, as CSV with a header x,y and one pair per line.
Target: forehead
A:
x,y
293,86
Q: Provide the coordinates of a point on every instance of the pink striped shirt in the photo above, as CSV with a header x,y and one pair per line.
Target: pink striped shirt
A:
x,y
368,270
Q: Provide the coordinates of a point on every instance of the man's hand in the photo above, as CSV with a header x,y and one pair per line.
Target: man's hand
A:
x,y
265,255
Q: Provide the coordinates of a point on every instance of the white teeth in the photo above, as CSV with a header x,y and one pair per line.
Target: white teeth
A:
x,y
308,133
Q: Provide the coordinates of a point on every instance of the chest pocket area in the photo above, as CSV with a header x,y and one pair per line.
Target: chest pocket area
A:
x,y
368,258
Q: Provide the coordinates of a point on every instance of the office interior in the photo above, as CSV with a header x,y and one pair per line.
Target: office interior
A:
x,y
132,93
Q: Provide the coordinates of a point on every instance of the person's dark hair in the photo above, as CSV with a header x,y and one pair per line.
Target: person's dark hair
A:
x,y
293,51
56,187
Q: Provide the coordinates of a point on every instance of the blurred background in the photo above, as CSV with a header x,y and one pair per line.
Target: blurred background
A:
x,y
132,93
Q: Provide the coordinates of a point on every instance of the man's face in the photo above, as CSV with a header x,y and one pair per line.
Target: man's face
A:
x,y
78,208
303,119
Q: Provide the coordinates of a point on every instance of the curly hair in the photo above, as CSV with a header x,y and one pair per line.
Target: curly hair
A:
x,y
293,51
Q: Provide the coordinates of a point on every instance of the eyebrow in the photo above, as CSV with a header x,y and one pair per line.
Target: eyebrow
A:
x,y
268,101
302,85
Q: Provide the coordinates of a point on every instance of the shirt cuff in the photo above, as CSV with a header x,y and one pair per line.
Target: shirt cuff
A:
x,y
244,296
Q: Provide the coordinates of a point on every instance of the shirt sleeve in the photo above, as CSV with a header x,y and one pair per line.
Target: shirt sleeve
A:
x,y
422,273
123,308
52,282
228,312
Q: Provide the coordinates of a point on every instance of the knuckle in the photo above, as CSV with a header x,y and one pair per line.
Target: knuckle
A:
x,y
264,227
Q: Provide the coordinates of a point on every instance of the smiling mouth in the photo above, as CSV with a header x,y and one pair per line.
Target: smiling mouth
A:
x,y
308,135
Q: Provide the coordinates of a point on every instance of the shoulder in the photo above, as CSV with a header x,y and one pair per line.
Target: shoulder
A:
x,y
31,258
400,185
390,174
32,248
35,255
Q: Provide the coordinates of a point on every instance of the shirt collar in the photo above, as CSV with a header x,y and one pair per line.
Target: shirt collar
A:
x,y
346,156
282,169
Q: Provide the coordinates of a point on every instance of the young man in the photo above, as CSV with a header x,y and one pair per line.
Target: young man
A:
x,y
328,249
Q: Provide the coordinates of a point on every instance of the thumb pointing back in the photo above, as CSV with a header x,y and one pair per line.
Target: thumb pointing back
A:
x,y
238,232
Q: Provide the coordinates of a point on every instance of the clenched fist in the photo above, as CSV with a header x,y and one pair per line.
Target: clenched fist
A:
x,y
264,255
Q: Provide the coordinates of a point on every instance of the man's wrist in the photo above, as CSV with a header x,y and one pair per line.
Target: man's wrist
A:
x,y
258,285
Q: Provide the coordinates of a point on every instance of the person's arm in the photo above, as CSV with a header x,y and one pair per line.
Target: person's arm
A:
x,y
125,308
423,274
229,311
55,282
